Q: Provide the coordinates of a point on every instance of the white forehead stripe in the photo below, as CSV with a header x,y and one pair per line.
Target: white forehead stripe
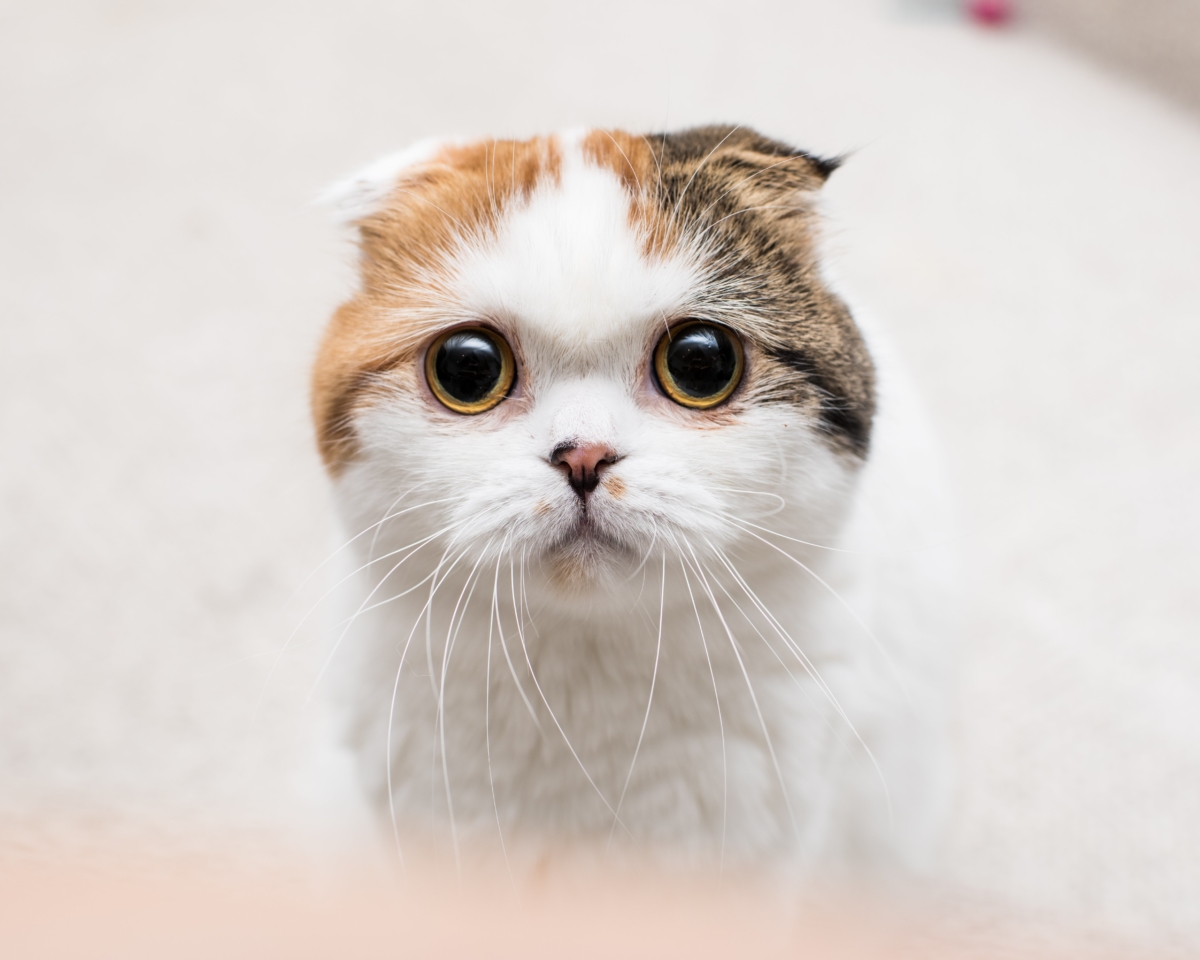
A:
x,y
571,261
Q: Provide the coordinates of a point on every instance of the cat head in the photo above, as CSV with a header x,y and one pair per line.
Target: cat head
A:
x,y
586,349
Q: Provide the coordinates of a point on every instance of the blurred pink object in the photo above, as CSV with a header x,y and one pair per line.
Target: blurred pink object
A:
x,y
993,13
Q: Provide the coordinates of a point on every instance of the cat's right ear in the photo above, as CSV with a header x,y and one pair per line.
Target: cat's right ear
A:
x,y
362,194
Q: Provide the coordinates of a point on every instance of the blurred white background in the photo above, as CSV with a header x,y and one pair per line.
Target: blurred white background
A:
x,y
1026,223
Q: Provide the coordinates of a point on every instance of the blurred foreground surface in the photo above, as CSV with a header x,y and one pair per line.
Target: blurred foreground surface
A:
x,y
131,911
1026,226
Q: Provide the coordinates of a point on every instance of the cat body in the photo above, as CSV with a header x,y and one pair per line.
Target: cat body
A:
x,y
644,529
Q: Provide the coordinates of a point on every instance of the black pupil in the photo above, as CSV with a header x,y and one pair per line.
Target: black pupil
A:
x,y
701,360
468,365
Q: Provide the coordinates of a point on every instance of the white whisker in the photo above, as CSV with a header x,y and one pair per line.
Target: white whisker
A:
x,y
541,693
712,599
388,513
795,648
811,669
512,669
395,691
649,550
440,719
755,493
662,600
362,533
792,646
487,705
362,608
896,674
390,599
291,637
529,616
775,533
720,719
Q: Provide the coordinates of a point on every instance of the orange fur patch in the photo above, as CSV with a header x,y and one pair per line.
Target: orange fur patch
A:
x,y
632,159
626,155
459,193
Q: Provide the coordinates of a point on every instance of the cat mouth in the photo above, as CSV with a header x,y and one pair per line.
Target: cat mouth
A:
x,y
585,532
587,540
585,556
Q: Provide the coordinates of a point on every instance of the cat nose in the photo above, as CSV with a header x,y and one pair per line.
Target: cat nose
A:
x,y
582,463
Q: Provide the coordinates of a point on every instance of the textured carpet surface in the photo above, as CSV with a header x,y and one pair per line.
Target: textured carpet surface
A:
x,y
1027,226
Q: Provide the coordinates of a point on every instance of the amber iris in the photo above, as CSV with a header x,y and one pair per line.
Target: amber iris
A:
x,y
470,369
698,364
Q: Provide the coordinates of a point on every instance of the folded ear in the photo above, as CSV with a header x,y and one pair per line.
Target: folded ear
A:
x,y
744,156
363,193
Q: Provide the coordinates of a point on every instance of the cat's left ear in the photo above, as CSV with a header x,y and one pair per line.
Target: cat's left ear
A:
x,y
733,147
776,166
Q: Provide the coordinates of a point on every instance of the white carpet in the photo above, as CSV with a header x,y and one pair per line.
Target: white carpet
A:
x,y
1029,227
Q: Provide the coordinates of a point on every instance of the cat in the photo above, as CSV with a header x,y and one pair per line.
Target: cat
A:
x,y
644,525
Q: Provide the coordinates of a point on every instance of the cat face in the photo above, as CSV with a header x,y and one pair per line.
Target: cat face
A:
x,y
587,348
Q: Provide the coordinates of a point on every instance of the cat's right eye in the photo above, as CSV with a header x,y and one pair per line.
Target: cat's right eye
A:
x,y
470,369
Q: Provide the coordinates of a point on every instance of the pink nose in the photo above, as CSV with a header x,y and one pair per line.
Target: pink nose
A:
x,y
582,462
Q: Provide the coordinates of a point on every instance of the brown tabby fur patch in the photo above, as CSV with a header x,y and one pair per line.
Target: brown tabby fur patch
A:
x,y
750,199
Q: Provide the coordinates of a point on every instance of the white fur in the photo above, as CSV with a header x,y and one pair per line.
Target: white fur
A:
x,y
828,744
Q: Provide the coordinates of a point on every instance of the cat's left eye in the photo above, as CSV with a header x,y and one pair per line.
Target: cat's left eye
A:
x,y
698,364
470,369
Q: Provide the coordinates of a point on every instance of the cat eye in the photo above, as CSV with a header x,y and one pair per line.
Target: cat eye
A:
x,y
698,364
470,369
